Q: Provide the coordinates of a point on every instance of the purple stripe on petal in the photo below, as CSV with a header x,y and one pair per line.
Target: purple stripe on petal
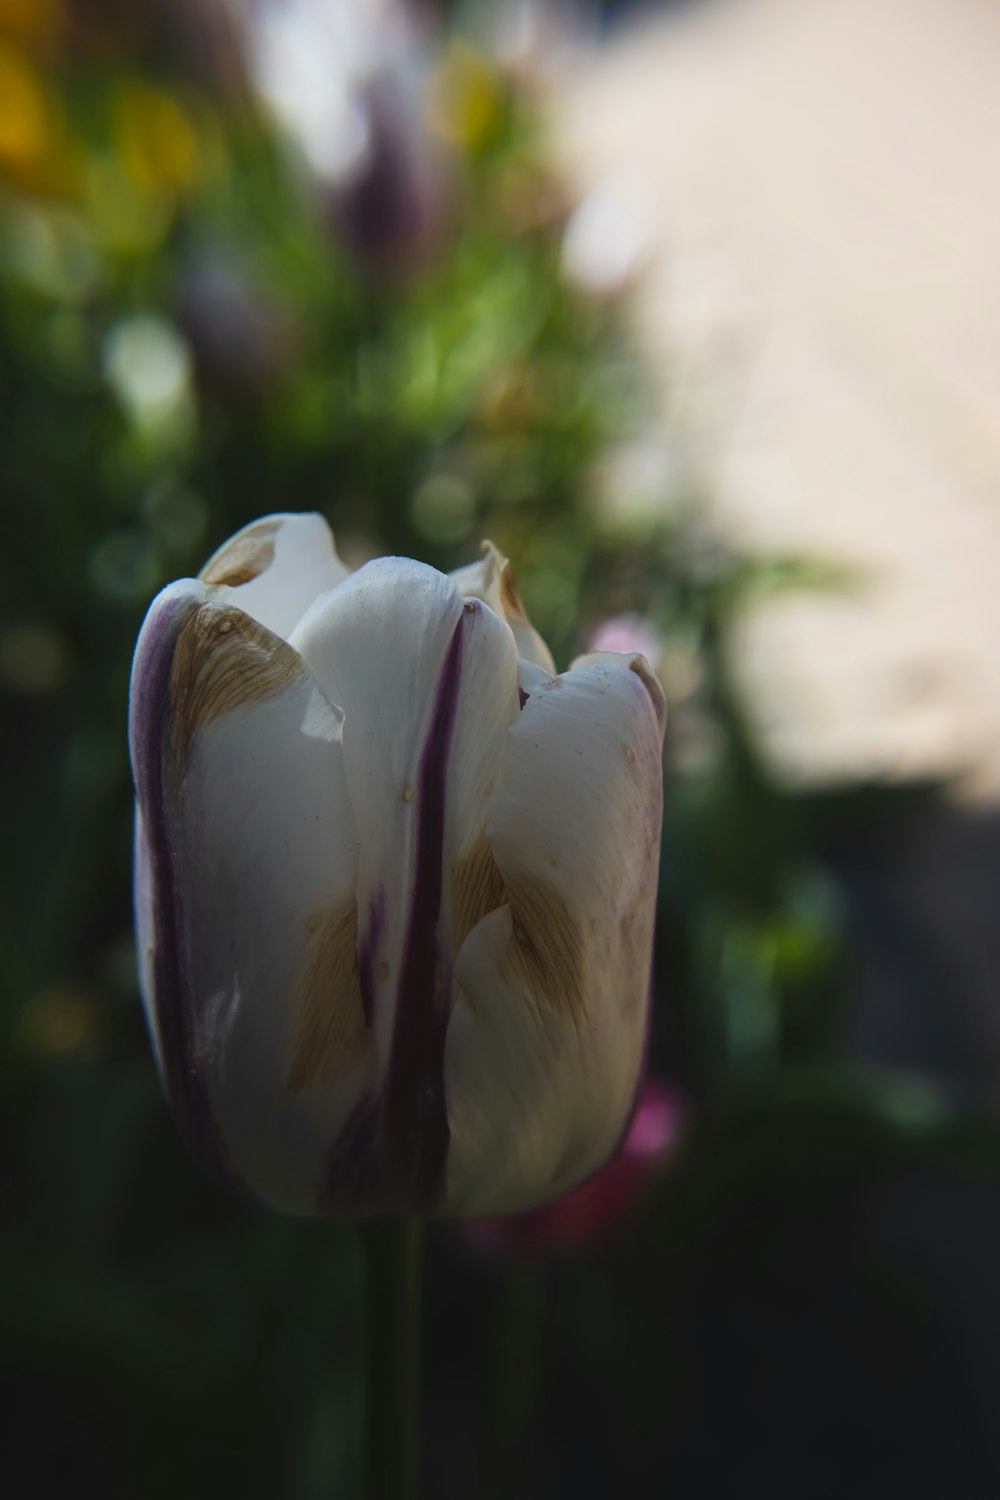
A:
x,y
367,948
148,728
156,880
415,1119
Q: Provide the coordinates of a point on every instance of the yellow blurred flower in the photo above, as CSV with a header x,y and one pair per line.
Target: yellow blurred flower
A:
x,y
465,102
25,116
157,141
37,154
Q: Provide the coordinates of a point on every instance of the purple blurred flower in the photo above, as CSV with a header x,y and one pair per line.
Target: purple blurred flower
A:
x,y
240,339
393,208
347,80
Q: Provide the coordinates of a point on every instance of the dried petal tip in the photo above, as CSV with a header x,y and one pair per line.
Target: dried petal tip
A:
x,y
492,580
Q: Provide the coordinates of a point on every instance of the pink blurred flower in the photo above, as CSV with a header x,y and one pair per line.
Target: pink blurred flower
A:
x,y
607,1200
626,633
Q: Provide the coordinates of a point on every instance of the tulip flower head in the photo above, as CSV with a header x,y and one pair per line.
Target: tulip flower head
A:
x,y
394,880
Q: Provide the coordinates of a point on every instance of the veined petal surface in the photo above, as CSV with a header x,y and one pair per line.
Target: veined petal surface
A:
x,y
245,877
546,1040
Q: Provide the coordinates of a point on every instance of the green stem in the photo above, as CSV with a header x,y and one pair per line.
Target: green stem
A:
x,y
394,1270
516,1377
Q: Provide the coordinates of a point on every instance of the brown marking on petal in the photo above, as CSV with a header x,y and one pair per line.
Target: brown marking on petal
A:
x,y
244,557
330,1031
635,943
477,889
407,794
382,970
547,949
630,755
223,660
513,607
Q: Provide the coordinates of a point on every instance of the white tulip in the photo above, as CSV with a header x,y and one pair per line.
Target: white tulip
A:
x,y
395,879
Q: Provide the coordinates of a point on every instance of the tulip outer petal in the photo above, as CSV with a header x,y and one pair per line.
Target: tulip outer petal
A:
x,y
546,1043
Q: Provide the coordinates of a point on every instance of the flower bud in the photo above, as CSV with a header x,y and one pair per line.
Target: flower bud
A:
x,y
395,879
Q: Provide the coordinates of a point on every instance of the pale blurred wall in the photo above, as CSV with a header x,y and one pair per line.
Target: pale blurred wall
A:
x,y
821,299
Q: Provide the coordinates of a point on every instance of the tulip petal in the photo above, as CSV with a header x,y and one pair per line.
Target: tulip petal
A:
x,y
637,663
492,580
275,568
427,684
245,895
545,1044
